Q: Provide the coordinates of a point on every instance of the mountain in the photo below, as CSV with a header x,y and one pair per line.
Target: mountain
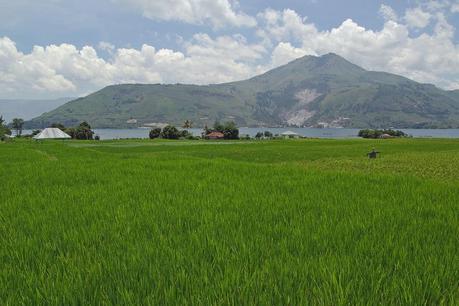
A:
x,y
326,91
28,109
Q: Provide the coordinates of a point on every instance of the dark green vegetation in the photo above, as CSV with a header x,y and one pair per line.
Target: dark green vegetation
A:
x,y
311,91
4,130
212,223
17,124
229,130
81,132
375,134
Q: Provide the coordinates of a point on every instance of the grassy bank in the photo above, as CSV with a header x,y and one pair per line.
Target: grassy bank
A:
x,y
276,222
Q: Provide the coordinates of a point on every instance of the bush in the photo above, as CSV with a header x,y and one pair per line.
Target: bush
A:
x,y
81,132
229,129
4,130
185,134
170,132
84,132
155,133
374,134
17,125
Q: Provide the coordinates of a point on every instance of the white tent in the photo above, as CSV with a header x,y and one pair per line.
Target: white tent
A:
x,y
290,134
52,133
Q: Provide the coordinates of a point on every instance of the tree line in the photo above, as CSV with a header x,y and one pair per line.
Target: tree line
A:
x,y
229,130
81,132
375,134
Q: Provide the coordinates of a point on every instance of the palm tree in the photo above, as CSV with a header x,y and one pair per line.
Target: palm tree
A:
x,y
17,124
187,124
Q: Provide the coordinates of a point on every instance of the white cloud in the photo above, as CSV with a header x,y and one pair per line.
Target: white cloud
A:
x,y
106,46
66,70
285,53
286,25
432,58
417,18
282,36
218,13
388,13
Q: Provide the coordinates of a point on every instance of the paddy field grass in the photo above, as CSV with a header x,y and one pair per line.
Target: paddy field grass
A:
x,y
307,222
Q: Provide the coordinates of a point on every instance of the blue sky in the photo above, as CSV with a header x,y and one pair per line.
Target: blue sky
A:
x,y
53,48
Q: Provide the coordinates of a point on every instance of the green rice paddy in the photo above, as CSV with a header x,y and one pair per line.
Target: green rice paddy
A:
x,y
307,222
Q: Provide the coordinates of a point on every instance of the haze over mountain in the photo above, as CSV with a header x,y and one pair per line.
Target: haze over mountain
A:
x,y
326,91
28,109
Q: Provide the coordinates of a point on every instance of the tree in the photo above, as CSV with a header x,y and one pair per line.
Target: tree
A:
x,y
4,130
82,132
155,133
374,134
230,130
218,127
188,124
268,134
259,135
17,124
205,131
170,132
185,134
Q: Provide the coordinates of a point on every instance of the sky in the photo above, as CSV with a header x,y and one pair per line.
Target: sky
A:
x,y
69,48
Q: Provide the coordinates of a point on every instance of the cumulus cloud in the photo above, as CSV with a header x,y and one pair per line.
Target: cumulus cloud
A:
x,y
431,58
284,25
285,53
417,18
106,46
218,13
281,36
66,70
388,13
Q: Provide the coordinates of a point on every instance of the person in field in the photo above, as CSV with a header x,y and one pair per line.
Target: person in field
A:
x,y
373,154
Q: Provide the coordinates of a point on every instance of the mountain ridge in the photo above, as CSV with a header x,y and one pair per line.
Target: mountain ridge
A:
x,y
326,91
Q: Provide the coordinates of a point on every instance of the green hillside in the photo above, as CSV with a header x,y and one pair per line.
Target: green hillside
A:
x,y
313,91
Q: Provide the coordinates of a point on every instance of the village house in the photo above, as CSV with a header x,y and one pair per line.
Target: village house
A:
x,y
215,135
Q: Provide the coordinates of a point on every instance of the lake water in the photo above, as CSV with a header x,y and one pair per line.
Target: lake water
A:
x,y
106,134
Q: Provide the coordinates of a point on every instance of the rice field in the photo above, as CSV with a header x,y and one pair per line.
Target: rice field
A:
x,y
298,222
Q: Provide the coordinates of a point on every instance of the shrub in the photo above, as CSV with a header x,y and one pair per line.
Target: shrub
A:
x,y
155,133
374,134
185,134
229,129
170,132
83,132
4,130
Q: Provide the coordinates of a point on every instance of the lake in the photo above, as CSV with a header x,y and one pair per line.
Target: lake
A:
x,y
106,134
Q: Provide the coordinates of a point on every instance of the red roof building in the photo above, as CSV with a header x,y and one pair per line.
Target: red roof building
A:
x,y
215,135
